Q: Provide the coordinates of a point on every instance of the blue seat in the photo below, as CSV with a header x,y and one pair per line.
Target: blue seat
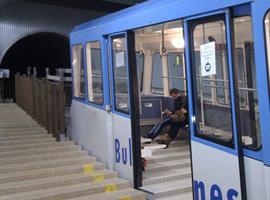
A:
x,y
152,107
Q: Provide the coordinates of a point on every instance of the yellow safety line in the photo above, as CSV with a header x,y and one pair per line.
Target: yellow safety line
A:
x,y
110,188
99,178
88,169
126,198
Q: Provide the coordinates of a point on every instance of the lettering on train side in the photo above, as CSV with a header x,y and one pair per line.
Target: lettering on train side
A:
x,y
123,154
216,192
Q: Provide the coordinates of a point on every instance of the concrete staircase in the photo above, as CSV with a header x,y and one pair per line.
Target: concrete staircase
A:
x,y
168,173
33,166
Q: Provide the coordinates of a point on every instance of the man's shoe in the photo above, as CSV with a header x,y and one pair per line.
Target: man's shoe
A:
x,y
164,139
167,140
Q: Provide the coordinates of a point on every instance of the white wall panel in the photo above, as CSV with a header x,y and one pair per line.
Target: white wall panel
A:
x,y
92,129
213,167
267,181
254,171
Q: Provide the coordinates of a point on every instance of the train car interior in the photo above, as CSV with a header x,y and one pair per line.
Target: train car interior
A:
x,y
160,58
160,62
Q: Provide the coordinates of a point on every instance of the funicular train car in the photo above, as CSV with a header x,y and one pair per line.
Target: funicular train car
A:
x,y
215,52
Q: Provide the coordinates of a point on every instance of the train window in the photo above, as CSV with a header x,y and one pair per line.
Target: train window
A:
x,y
121,85
214,121
247,82
241,77
163,47
267,38
94,73
78,71
157,81
177,70
205,82
221,79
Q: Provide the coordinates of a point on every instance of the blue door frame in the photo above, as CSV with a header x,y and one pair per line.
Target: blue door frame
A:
x,y
231,78
122,35
259,10
133,115
236,149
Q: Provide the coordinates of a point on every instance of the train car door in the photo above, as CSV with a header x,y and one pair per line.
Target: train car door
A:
x,y
123,103
217,159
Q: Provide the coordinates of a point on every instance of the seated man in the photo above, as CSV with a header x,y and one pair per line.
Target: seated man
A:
x,y
176,119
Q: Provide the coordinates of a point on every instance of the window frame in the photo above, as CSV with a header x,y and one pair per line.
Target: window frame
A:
x,y
246,108
267,50
121,36
192,26
154,53
73,75
103,96
184,78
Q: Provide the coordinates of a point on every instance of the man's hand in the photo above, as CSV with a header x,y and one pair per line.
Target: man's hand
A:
x,y
183,110
167,113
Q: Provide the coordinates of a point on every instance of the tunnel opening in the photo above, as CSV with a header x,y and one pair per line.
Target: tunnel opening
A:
x,y
40,50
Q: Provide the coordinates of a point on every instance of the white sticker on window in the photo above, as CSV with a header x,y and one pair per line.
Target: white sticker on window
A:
x,y
208,59
120,59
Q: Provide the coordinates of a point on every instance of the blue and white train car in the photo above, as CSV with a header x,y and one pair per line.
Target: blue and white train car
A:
x,y
217,52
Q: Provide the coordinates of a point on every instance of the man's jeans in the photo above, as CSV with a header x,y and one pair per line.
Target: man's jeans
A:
x,y
173,130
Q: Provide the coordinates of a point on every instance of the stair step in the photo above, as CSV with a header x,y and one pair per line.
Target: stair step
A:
x,y
9,138
63,147
165,166
18,122
26,133
166,176
167,189
18,118
42,157
177,143
18,125
171,150
125,194
4,128
21,132
167,157
71,191
48,172
185,196
29,141
35,146
52,182
14,129
45,164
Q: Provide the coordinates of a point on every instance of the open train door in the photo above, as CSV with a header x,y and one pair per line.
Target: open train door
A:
x,y
123,93
217,159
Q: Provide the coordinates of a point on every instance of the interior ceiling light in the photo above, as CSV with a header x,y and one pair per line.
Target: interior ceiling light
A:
x,y
171,30
178,43
174,30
